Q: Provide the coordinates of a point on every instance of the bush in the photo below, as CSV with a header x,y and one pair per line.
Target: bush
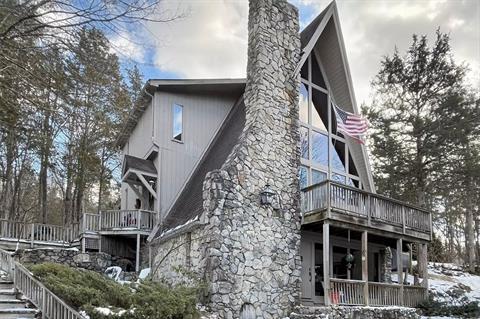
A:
x,y
466,308
86,290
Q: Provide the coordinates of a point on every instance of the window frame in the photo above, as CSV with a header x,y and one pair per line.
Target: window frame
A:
x,y
174,113
332,138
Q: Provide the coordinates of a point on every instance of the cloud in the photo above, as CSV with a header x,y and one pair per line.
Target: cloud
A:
x,y
210,41
126,47
373,28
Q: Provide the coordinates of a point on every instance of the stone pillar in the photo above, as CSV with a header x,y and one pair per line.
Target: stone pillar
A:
x,y
386,270
253,262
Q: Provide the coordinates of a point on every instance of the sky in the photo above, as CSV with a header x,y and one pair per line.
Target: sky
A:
x,y
209,39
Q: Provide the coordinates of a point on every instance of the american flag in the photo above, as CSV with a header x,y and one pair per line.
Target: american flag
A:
x,y
351,124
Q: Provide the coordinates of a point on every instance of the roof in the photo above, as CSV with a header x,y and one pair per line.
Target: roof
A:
x,y
139,164
190,202
212,86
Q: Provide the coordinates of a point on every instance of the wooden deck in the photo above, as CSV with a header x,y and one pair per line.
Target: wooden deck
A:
x,y
347,205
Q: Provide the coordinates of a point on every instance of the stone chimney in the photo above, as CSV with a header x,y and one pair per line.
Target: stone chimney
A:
x,y
253,255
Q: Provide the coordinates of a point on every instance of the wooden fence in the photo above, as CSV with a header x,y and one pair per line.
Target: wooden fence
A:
x,y
51,306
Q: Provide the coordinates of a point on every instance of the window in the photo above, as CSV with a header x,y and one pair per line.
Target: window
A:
x,y
323,152
178,122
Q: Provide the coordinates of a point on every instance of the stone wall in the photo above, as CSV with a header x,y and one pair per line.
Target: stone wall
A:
x,y
352,312
92,261
180,259
252,261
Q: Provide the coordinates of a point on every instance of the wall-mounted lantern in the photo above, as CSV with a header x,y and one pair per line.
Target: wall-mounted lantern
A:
x,y
267,196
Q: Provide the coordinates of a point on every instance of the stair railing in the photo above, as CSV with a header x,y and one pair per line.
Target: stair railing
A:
x,y
51,306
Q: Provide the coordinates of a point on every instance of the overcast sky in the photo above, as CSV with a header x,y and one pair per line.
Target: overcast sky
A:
x,y
210,40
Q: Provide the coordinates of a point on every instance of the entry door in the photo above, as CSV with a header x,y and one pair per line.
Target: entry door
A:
x,y
318,285
306,249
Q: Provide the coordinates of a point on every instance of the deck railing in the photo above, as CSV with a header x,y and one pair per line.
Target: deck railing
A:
x,y
128,219
347,292
383,294
352,292
51,306
414,295
91,222
348,200
36,232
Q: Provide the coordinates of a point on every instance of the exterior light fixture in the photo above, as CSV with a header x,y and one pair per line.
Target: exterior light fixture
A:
x,y
349,259
267,196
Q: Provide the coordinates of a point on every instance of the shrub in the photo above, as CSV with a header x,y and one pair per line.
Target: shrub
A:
x,y
86,290
466,308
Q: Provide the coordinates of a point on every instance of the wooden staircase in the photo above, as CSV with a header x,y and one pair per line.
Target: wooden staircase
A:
x,y
11,306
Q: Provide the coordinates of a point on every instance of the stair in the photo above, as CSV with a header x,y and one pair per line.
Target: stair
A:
x,y
11,306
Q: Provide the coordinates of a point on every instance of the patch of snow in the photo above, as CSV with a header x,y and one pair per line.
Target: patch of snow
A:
x,y
144,273
113,272
172,230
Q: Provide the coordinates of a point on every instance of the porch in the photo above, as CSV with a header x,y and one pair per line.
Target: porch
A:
x,y
118,232
351,264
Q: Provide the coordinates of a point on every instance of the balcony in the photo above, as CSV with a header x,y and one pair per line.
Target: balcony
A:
x,y
345,204
120,221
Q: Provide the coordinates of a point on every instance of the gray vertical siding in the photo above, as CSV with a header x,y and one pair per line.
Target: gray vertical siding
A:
x,y
203,115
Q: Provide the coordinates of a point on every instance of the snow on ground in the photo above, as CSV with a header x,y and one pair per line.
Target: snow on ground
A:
x,y
450,284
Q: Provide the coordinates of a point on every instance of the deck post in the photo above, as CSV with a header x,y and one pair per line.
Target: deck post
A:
x,y
137,254
326,262
423,263
365,266
400,268
32,234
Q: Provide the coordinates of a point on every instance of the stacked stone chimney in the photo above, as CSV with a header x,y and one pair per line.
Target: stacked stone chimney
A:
x,y
253,262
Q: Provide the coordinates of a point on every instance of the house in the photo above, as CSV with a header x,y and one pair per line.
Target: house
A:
x,y
248,184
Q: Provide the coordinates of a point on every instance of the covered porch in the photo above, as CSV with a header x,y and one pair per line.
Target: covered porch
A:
x,y
357,247
347,265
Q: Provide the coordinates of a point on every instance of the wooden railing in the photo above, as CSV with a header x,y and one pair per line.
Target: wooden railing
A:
x,y
128,219
352,292
35,232
414,295
348,200
347,292
383,294
91,222
51,306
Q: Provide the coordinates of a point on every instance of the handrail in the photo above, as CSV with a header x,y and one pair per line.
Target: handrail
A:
x,y
46,301
138,219
358,190
36,232
345,199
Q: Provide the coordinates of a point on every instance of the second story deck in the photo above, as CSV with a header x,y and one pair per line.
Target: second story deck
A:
x,y
113,222
344,204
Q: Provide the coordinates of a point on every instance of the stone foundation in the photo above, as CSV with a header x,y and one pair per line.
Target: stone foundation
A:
x,y
180,259
353,312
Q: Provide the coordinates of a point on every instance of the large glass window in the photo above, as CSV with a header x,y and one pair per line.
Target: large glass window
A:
x,y
324,152
177,122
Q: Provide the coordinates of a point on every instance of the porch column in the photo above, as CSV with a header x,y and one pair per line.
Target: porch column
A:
x,y
423,263
400,267
365,266
137,255
326,262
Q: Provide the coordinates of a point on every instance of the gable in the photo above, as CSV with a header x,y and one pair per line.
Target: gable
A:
x,y
326,45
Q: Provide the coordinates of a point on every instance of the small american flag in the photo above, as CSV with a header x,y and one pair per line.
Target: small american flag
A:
x,y
350,124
